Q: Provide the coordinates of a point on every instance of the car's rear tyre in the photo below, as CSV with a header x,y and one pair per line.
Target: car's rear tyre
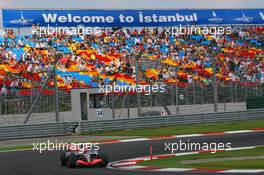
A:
x,y
63,159
104,158
72,161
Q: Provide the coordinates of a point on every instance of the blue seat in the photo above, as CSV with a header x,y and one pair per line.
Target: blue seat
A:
x,y
94,84
240,43
206,42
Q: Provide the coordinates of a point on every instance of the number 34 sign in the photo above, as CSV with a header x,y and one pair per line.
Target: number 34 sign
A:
x,y
99,113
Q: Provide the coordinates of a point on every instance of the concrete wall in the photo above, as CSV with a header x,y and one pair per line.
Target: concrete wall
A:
x,y
107,113
184,109
35,118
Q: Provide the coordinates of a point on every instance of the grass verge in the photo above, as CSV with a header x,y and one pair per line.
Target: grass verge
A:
x,y
30,147
177,161
185,129
15,148
233,164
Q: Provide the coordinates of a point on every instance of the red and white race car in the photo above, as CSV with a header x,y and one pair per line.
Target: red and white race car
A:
x,y
74,158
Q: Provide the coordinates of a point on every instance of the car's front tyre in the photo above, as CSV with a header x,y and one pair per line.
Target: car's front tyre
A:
x,y
63,159
104,158
72,161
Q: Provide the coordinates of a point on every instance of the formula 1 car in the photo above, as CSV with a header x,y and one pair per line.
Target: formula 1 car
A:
x,y
87,158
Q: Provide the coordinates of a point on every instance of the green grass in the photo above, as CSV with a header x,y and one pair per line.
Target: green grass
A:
x,y
185,129
30,147
176,162
14,148
239,164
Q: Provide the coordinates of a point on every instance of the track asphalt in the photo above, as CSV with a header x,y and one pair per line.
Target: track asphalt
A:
x,y
47,163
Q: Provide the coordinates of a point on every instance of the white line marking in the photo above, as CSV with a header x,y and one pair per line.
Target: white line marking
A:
x,y
174,169
243,171
15,150
135,140
189,135
236,132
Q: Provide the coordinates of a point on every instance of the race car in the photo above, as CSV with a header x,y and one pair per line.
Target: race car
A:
x,y
83,158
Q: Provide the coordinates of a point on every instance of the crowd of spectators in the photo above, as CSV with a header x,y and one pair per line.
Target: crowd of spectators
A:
x,y
110,56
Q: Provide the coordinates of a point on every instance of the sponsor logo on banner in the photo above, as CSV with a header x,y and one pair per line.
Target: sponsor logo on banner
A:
x,y
244,18
22,20
261,15
215,18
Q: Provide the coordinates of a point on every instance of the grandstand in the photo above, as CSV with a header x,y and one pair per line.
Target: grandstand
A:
x,y
184,63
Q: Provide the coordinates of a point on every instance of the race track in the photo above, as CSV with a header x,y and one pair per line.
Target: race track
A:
x,y
47,163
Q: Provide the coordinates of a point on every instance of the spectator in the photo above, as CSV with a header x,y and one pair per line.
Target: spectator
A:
x,y
4,90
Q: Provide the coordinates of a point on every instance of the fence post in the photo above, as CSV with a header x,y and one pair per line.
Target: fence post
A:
x,y
138,82
172,94
57,110
177,97
187,96
5,105
113,105
236,91
202,91
256,85
194,100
